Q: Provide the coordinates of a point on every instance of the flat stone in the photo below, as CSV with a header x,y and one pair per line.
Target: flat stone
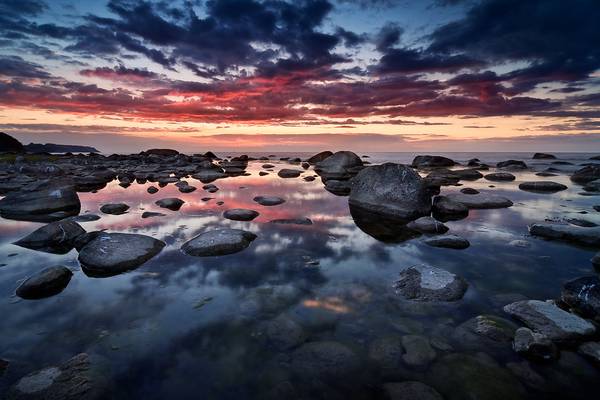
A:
x,y
114,253
480,201
114,208
500,177
85,218
218,242
46,283
549,320
172,203
448,241
56,237
43,203
269,200
542,187
426,283
513,164
534,345
240,214
567,233
427,225
150,214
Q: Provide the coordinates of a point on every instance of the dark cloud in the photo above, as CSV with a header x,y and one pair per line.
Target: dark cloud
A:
x,y
16,67
415,61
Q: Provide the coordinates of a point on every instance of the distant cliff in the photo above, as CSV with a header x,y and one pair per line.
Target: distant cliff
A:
x,y
58,148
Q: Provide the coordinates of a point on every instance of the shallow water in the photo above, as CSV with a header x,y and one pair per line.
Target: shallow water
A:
x,y
189,327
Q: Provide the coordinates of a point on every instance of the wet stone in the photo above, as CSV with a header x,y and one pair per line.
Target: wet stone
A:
x,y
418,351
171,203
218,242
114,208
427,225
534,345
583,296
46,283
269,200
327,361
240,214
56,237
410,390
426,283
448,241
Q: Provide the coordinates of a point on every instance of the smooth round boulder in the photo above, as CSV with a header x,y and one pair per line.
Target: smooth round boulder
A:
x,y
240,214
114,208
319,157
40,202
341,165
447,209
428,161
542,187
427,283
46,283
114,253
500,177
512,164
393,190
448,242
469,191
171,203
56,237
218,242
339,188
269,200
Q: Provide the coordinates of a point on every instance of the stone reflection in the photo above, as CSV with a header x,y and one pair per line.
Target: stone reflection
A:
x,y
383,228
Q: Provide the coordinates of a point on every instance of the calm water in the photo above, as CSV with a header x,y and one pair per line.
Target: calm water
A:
x,y
184,327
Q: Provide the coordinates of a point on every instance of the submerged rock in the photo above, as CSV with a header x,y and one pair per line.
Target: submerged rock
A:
x,y
326,361
341,165
269,200
427,225
549,320
567,233
480,201
78,378
534,345
292,221
386,352
114,208
542,186
391,189
432,161
41,202
418,351
281,333
583,295
447,209
512,164
240,214
218,242
410,390
172,203
46,283
339,188
448,241
484,332
500,177
114,253
426,283
56,237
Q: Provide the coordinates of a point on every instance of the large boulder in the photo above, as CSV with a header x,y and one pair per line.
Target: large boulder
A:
x,y
480,201
391,189
319,157
341,165
218,242
426,283
586,174
41,202
567,233
428,161
546,318
114,253
56,237
583,295
10,144
48,282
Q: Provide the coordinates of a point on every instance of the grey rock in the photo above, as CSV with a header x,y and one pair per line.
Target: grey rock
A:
x,y
480,201
590,350
427,225
593,186
341,165
85,218
150,214
447,209
114,253
469,191
187,188
583,296
468,174
393,190
171,203
485,331
327,361
410,390
56,237
152,189
46,283
586,174
500,177
567,233
426,283
549,320
292,221
114,208
240,214
448,241
542,187
386,352
40,202
319,157
534,345
218,242
339,188
428,161
289,173
544,156
512,164
418,351
269,200
209,175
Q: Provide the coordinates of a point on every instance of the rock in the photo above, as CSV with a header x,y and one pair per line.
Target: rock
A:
x,y
447,209
46,283
56,237
41,202
549,320
500,177
468,174
218,242
114,208
309,178
162,152
463,376
419,352
523,371
410,391
152,189
442,177
567,233
426,283
150,214
209,175
339,188
81,377
85,218
595,260
583,296
512,164
484,332
326,361
268,166
240,214
268,200
386,352
3,366
292,221
262,173
542,187
305,165
593,186
382,227
469,191
319,157
590,350
289,173
172,203
520,243
586,174
113,253
427,225
448,241
546,174
393,190
534,345
187,188
480,201
210,188
341,165
281,333
432,162
543,156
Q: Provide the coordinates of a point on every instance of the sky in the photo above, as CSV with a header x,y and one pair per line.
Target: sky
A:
x,y
302,75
